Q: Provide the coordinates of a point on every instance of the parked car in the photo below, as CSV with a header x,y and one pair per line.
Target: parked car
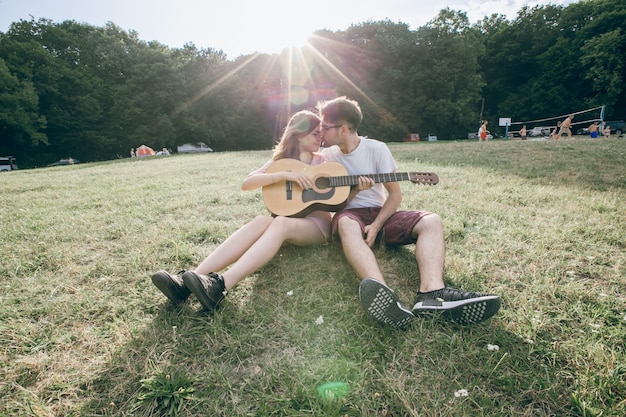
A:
x,y
617,126
474,135
7,163
540,131
69,161
199,147
412,137
432,138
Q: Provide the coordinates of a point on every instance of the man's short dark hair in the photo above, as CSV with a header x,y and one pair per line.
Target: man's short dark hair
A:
x,y
341,110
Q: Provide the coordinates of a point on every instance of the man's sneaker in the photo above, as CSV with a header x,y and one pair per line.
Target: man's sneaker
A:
x,y
171,285
208,289
383,305
459,306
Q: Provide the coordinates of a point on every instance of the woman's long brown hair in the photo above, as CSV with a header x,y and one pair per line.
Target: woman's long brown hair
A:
x,y
300,124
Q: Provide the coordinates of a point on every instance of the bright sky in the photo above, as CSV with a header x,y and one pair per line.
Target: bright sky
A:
x,y
241,27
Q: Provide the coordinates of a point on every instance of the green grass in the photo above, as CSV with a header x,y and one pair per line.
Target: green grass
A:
x,y
84,333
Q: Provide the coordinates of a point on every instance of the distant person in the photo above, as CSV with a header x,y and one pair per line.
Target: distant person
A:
x,y
556,132
566,127
70,161
256,243
132,153
482,131
593,130
523,133
607,131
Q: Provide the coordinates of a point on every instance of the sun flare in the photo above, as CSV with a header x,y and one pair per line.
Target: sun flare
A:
x,y
265,27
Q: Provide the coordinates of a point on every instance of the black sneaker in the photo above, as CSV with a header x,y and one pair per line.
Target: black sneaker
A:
x,y
209,289
171,285
459,306
383,305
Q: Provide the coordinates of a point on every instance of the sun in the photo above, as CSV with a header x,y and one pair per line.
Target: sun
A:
x,y
260,26
275,42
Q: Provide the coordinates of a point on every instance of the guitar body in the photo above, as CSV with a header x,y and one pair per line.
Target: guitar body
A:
x,y
330,190
286,198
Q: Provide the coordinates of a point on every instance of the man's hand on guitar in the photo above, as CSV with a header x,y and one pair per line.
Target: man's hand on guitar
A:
x,y
365,183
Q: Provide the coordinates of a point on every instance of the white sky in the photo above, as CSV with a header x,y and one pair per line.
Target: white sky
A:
x,y
241,27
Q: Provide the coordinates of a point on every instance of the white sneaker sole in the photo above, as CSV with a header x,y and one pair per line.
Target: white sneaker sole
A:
x,y
468,311
383,305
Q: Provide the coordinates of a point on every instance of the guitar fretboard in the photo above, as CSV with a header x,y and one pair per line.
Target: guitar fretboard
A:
x,y
345,180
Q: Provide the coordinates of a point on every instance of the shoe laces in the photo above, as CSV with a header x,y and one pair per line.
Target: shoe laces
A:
x,y
449,294
219,279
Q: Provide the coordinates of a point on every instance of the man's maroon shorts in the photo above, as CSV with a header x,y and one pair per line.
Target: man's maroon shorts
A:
x,y
396,230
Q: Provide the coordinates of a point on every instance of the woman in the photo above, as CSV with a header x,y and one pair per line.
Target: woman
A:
x,y
256,243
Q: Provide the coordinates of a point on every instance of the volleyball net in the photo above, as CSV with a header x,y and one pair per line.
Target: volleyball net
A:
x,y
581,119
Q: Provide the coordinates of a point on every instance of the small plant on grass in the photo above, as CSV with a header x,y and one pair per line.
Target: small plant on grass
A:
x,y
165,393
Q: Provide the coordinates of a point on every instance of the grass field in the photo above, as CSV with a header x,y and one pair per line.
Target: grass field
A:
x,y
84,333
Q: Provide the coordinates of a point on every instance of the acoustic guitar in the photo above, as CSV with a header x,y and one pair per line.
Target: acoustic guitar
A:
x,y
330,190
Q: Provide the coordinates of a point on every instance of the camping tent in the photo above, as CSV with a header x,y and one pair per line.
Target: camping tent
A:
x,y
144,150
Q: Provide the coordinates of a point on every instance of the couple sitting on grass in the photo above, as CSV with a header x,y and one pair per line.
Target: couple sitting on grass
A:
x,y
368,214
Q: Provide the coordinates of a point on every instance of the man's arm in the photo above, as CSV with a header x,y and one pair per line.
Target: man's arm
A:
x,y
392,203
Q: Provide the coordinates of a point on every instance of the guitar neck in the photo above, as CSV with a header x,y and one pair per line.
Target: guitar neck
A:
x,y
345,180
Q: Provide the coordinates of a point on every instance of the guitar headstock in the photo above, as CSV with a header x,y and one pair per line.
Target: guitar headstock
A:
x,y
428,178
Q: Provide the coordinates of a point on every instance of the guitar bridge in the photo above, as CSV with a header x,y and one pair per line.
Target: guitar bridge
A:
x,y
288,190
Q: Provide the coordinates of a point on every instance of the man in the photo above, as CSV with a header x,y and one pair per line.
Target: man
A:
x,y
566,127
370,214
523,133
482,131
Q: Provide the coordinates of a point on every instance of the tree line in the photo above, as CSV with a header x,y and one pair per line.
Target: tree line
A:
x,y
93,93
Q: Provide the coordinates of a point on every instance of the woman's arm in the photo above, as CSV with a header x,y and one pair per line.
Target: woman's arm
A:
x,y
258,180
254,181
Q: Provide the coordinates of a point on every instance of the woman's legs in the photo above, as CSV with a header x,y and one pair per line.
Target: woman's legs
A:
x,y
300,232
236,245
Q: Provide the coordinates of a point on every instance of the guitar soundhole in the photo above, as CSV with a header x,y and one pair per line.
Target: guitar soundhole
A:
x,y
322,183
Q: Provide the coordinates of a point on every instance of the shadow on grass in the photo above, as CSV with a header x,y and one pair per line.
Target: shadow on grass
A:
x,y
288,329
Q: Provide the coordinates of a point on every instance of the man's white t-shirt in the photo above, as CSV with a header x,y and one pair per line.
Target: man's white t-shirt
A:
x,y
370,157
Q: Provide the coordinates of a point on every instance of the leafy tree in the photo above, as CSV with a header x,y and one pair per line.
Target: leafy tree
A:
x,y
21,125
553,60
449,82
512,63
94,92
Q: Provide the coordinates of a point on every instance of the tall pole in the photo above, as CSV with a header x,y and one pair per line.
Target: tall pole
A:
x,y
602,120
482,107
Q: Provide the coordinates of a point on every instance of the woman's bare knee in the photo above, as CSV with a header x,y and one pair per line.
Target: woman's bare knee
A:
x,y
263,220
